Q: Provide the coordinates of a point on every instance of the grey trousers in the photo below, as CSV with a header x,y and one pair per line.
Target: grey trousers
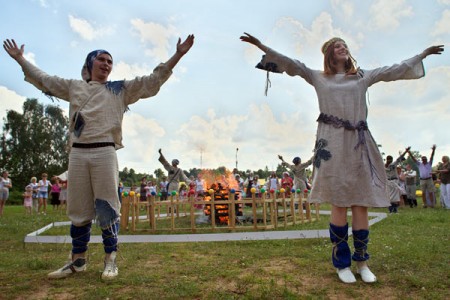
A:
x,y
93,175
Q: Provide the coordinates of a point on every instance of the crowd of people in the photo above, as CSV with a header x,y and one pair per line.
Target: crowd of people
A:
x,y
401,186
36,193
402,181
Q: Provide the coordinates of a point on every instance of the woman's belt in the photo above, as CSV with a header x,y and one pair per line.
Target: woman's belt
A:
x,y
360,127
92,145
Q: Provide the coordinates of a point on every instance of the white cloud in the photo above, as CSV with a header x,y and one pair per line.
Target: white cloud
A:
x,y
10,101
213,134
157,35
444,2
43,3
412,112
308,42
345,6
443,25
122,70
140,138
86,30
258,134
387,14
31,58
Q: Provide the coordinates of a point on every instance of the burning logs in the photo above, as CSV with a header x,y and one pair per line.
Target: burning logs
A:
x,y
221,210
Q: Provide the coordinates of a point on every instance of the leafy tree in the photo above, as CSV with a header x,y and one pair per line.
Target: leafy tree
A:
x,y
263,174
34,142
280,170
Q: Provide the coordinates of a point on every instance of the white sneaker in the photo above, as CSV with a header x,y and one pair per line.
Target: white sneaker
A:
x,y
111,270
346,275
366,275
79,265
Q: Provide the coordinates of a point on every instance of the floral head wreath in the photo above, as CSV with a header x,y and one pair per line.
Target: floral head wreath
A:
x,y
329,43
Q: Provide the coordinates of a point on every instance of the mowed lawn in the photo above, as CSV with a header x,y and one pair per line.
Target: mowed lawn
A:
x,y
410,254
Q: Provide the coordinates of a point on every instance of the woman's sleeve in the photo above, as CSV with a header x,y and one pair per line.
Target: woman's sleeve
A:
x,y
49,85
146,86
408,69
280,64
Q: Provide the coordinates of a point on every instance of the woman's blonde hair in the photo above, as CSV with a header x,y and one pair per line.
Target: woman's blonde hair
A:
x,y
329,61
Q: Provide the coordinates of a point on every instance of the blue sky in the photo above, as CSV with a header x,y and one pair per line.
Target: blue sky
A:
x,y
214,102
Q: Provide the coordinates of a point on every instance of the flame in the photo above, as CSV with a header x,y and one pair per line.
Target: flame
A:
x,y
227,180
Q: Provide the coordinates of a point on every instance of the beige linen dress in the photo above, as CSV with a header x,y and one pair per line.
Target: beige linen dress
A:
x,y
348,167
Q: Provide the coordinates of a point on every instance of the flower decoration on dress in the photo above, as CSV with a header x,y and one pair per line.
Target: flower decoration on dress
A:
x,y
321,152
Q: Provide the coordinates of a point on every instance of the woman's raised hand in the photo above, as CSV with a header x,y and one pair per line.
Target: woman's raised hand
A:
x,y
250,39
184,47
433,50
12,49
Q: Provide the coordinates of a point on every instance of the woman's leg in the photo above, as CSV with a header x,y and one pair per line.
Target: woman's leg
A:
x,y
2,205
40,204
341,255
44,205
338,215
360,227
360,218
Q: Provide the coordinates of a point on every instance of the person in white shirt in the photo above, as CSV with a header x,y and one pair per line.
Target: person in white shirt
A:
x,y
43,186
426,178
5,185
199,186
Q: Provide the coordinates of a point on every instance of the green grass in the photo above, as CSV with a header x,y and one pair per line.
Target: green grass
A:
x,y
409,254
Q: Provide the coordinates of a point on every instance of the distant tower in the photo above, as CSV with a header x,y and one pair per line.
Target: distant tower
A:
x,y
237,149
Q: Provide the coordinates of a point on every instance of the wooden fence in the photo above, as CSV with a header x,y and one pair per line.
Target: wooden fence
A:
x,y
270,211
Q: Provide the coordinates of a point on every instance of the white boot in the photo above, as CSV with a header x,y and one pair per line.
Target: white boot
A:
x,y
366,275
346,275
111,270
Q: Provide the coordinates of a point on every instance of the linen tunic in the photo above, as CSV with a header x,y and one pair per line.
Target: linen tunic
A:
x,y
103,111
348,167
175,176
93,173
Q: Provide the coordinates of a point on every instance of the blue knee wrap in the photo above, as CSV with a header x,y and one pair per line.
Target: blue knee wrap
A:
x,y
80,237
360,241
108,219
341,255
110,237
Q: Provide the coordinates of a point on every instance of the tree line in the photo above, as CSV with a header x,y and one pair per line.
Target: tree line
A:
x,y
37,141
